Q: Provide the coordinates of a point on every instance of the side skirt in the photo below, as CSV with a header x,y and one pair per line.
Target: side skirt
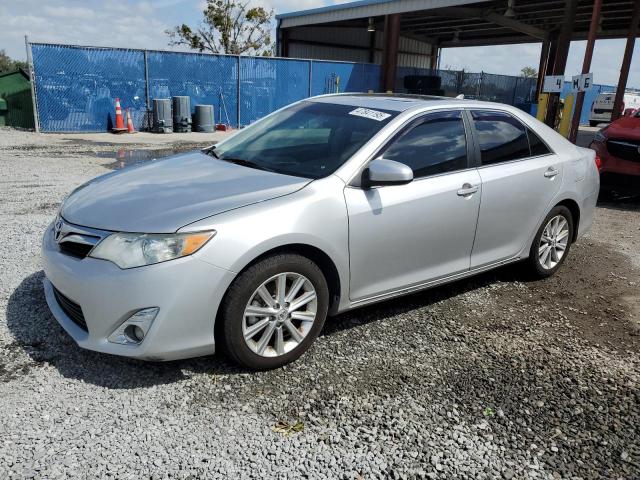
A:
x,y
429,284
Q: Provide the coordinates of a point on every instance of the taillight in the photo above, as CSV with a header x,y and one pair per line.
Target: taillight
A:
x,y
598,162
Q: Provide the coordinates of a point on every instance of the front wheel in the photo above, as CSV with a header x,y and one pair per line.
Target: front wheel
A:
x,y
552,243
274,311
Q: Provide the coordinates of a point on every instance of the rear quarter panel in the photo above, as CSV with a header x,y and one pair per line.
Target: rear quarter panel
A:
x,y
580,177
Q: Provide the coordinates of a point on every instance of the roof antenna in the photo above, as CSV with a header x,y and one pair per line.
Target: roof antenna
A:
x,y
460,97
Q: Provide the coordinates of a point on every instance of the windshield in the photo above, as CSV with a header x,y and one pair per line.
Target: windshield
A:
x,y
309,139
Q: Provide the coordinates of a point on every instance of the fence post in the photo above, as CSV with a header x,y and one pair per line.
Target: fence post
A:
x,y
479,91
147,89
238,92
32,78
515,90
310,75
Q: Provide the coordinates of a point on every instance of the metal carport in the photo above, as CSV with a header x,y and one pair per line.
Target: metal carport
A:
x,y
412,32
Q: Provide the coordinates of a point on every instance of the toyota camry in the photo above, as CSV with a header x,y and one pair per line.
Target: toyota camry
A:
x,y
326,205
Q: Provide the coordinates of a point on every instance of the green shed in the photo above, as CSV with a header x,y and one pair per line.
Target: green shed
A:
x,y
16,107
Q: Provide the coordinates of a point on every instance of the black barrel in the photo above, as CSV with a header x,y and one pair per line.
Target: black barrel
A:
x,y
181,114
203,118
162,119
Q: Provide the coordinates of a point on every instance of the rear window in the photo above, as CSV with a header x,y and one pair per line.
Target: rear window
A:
x,y
501,137
538,147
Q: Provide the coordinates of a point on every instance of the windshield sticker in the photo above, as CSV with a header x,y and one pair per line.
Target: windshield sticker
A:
x,y
372,114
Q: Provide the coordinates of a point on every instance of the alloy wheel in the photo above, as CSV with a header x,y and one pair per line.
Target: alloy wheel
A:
x,y
553,242
279,314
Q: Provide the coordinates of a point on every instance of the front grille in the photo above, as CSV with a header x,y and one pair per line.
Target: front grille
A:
x,y
74,240
79,250
624,149
72,309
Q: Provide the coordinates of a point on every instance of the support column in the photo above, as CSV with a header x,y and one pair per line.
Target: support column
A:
x,y
372,46
586,66
626,62
285,42
435,54
390,52
562,51
542,67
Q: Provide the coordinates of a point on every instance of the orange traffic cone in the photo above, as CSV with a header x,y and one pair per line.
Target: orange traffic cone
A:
x,y
119,128
130,128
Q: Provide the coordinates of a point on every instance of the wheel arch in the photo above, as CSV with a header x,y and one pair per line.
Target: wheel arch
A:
x,y
315,254
574,208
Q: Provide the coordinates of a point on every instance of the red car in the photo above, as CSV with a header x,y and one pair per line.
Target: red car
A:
x,y
618,148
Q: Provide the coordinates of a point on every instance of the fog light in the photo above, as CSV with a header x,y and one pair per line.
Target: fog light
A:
x,y
135,328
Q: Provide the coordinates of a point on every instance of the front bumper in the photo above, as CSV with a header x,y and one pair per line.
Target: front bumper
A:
x,y
188,292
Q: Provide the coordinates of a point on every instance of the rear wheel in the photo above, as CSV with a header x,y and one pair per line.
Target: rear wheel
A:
x,y
274,311
593,124
552,243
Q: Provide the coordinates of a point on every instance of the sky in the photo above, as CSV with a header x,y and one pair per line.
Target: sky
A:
x,y
141,24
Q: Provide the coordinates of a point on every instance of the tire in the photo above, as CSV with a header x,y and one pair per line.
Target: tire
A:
x,y
244,290
534,262
593,124
438,92
421,82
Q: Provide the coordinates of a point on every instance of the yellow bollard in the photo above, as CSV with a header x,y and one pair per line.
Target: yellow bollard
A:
x,y
565,121
543,102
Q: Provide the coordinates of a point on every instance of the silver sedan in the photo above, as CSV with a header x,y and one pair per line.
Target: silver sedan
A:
x,y
326,205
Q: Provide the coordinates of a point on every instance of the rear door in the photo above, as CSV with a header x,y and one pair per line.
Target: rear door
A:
x,y
520,177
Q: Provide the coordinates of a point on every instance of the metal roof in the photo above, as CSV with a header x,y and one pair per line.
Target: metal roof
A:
x,y
362,8
460,23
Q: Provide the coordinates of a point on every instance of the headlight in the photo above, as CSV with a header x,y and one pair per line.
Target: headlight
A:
x,y
128,250
599,137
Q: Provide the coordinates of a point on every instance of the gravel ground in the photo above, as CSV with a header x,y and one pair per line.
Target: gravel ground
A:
x,y
492,377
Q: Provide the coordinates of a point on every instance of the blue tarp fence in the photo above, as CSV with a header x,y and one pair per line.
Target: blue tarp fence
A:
x,y
76,87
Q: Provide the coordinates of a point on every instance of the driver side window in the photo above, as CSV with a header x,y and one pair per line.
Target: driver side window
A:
x,y
435,145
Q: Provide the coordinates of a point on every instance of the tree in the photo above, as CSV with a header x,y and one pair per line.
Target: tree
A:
x,y
228,27
529,72
7,63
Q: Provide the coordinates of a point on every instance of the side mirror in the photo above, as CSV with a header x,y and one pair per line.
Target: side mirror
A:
x,y
382,172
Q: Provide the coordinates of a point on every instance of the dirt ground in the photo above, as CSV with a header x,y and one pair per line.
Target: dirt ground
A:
x,y
492,376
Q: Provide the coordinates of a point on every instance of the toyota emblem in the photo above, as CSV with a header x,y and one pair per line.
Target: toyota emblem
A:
x,y
56,228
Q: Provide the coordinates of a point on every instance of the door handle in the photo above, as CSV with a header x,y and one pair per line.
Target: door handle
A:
x,y
551,172
467,190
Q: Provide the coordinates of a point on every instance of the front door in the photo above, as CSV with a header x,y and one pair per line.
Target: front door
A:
x,y
405,235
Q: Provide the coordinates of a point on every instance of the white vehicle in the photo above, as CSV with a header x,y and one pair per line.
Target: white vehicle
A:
x,y
602,108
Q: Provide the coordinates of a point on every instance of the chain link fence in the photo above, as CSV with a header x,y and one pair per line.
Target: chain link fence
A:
x,y
519,91
75,87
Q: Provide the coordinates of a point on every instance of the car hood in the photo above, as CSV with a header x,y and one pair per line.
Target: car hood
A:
x,y
165,195
625,127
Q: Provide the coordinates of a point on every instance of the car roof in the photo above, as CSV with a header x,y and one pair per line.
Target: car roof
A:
x,y
399,102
